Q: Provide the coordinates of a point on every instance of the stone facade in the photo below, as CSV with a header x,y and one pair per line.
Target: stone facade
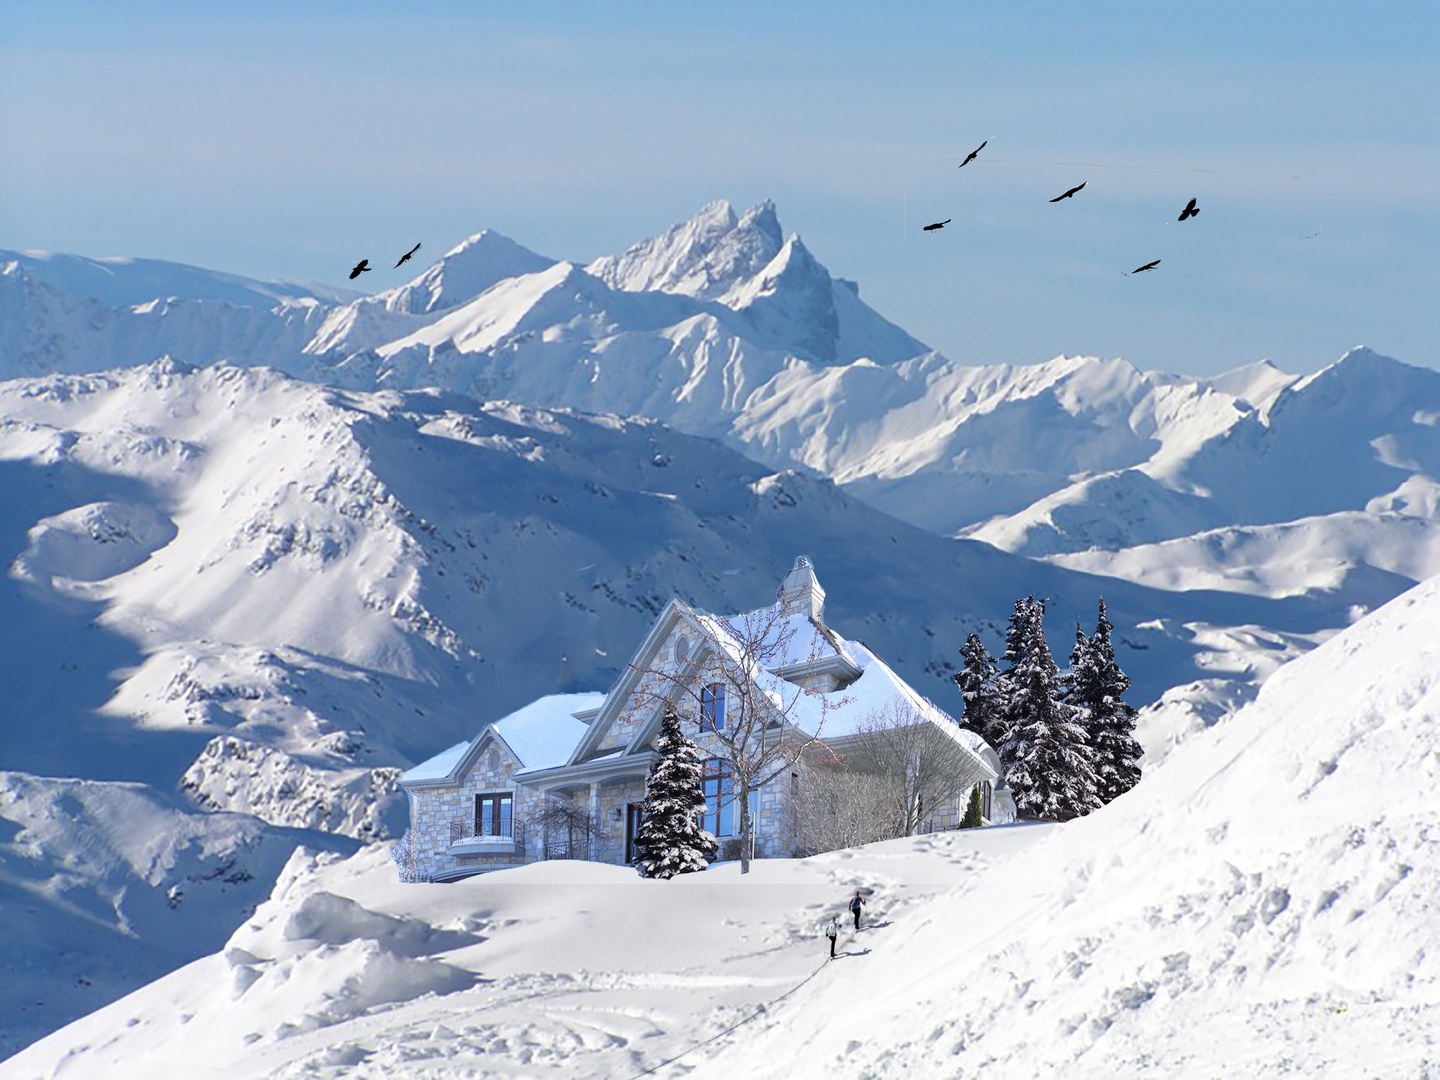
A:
x,y
432,810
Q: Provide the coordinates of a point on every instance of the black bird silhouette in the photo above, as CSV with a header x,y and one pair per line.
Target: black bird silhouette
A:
x,y
360,268
417,248
937,225
972,155
1147,266
1190,210
1068,193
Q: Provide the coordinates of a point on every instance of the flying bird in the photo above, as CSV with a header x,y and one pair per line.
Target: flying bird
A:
x,y
1190,211
1068,193
360,268
937,225
973,153
1147,266
417,248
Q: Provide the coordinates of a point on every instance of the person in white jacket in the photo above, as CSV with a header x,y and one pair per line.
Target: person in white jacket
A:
x,y
832,931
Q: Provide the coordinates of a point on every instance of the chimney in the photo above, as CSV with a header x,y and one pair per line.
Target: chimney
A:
x,y
800,593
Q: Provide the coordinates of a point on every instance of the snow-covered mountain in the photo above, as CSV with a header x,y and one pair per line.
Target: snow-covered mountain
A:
x,y
723,326
1262,904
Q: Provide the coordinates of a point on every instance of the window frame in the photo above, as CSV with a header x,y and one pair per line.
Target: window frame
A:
x,y
720,802
496,819
712,707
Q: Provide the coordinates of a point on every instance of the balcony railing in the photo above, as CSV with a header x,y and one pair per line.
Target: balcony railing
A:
x,y
594,849
462,830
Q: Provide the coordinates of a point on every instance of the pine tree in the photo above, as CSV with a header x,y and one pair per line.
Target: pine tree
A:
x,y
1050,775
1026,612
973,818
1108,720
977,683
670,839
1081,667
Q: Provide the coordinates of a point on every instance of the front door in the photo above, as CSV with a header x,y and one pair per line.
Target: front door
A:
x,y
634,815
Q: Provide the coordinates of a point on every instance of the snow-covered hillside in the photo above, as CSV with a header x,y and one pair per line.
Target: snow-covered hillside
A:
x,y
106,886
269,595
1262,904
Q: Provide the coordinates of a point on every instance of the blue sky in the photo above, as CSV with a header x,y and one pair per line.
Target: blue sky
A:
x,y
282,140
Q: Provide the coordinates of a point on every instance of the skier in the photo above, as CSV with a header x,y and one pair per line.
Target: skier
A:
x,y
855,902
832,931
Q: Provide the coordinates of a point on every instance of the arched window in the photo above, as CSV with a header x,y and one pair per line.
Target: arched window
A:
x,y
712,707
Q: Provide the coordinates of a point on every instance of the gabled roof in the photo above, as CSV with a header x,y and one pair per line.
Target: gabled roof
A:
x,y
539,736
640,660
818,648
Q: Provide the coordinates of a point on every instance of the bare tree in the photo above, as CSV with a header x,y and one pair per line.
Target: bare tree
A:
x,y
768,723
556,818
923,764
404,855
836,806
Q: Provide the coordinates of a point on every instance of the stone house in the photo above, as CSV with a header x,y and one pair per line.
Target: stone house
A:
x,y
565,775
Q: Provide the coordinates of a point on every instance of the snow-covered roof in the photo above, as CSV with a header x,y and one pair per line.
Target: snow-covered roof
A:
x,y
541,735
437,767
799,640
877,688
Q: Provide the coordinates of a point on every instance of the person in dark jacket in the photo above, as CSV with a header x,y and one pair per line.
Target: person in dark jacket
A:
x,y
855,902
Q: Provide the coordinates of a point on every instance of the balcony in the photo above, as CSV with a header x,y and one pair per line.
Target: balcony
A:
x,y
465,841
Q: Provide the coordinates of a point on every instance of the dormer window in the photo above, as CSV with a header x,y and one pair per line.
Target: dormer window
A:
x,y
682,649
712,707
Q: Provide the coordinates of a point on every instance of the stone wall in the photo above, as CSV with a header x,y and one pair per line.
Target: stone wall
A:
x,y
433,809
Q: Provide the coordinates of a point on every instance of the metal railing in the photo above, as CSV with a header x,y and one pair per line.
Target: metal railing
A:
x,y
582,847
464,829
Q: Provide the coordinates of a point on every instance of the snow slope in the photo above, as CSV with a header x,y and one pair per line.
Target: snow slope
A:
x,y
555,969
106,886
1262,904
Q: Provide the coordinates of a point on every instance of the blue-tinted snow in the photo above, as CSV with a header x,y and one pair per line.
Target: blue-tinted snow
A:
x,y
543,733
437,767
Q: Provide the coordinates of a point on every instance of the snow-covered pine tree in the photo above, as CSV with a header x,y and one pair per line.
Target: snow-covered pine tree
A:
x,y
977,683
973,818
670,839
1050,774
1026,611
1082,666
1109,722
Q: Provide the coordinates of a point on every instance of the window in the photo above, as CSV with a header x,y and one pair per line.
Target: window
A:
x,y
986,789
712,707
682,649
492,815
717,783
